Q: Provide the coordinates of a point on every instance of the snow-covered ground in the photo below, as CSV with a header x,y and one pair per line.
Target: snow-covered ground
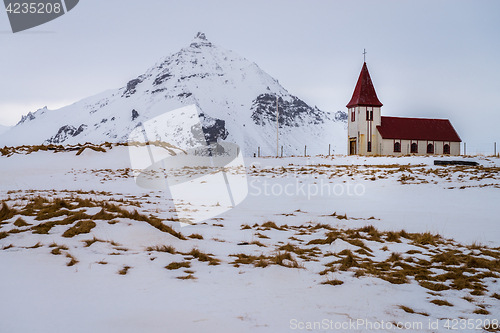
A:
x,y
261,266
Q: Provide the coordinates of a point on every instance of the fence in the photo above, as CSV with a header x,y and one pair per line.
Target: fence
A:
x,y
305,151
486,149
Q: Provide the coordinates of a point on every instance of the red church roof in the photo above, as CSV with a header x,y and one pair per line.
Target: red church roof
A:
x,y
364,93
417,129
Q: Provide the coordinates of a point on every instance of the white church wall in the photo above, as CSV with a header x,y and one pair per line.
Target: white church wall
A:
x,y
361,127
386,147
455,148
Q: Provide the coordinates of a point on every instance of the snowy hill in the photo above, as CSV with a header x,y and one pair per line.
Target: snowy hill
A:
x,y
235,99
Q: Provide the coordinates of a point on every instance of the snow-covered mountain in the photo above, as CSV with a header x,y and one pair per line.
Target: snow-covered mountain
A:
x,y
3,129
235,99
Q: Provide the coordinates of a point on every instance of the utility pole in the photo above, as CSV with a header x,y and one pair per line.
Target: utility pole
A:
x,y
277,128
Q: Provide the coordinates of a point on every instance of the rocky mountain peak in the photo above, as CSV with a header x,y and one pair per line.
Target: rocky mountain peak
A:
x,y
200,40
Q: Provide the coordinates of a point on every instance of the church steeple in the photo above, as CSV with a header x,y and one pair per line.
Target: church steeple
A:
x,y
364,93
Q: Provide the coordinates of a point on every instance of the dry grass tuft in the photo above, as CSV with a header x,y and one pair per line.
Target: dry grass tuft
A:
x,y
372,232
16,231
51,212
20,222
103,215
481,311
124,270
177,265
246,259
262,263
395,257
153,221
364,252
468,298
284,259
271,225
57,250
474,262
395,277
43,228
425,238
164,228
187,277
94,148
73,217
89,242
255,242
441,302
406,309
36,246
124,249
81,227
72,261
433,286
162,248
6,212
333,282
201,256
330,238
196,236
410,310
477,292
393,237
348,261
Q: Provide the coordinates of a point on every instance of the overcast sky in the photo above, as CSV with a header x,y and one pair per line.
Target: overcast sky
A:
x,y
426,58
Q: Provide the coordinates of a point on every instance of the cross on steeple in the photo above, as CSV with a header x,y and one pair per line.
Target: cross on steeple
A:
x,y
364,55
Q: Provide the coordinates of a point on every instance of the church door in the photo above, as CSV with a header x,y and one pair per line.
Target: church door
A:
x,y
352,147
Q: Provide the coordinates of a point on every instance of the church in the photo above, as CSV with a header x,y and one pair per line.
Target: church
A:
x,y
370,133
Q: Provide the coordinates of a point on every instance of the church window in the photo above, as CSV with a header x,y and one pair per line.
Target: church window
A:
x,y
353,116
397,147
446,149
369,146
369,115
430,148
414,148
